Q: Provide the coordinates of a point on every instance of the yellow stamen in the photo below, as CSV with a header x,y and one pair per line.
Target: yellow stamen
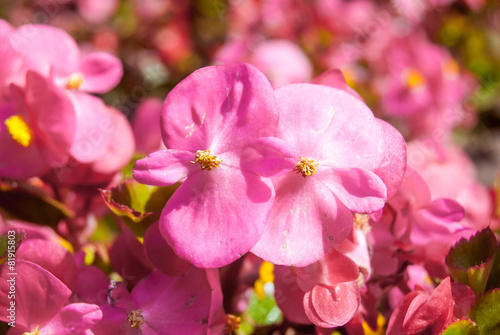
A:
x,y
232,323
361,222
306,166
19,129
34,332
206,160
380,326
135,318
74,81
266,275
414,79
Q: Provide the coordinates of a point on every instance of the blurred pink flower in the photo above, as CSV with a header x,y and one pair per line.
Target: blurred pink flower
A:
x,y
146,126
221,209
40,303
37,129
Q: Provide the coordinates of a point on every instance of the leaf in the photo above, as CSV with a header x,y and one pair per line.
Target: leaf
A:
x,y
461,327
486,312
138,205
264,311
25,202
470,261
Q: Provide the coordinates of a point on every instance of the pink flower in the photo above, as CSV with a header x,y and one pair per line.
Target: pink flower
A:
x,y
324,293
163,305
332,164
53,53
37,129
146,126
40,303
220,210
419,312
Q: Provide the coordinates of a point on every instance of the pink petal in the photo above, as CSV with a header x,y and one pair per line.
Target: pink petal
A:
x,y
39,295
330,307
175,305
217,318
305,223
97,11
73,319
333,78
16,161
396,324
46,49
289,297
268,157
146,125
333,269
393,166
120,146
217,216
161,254
52,257
330,126
164,167
221,108
101,72
91,136
53,115
91,285
359,190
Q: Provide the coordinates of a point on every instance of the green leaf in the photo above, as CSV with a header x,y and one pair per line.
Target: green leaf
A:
x,y
462,327
264,311
486,312
470,261
138,205
25,202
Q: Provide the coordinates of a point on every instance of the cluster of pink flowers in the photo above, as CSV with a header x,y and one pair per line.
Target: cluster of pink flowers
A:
x,y
306,180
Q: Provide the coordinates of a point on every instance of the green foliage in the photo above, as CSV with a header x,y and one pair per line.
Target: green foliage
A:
x,y
461,327
486,313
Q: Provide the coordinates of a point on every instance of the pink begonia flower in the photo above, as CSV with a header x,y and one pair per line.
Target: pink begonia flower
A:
x,y
40,303
220,210
146,126
97,11
450,173
53,53
37,129
335,78
162,305
282,61
324,293
418,312
414,227
425,85
335,147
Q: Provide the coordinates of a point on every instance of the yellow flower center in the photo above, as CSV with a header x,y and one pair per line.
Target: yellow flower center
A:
x,y
206,160
414,79
232,323
266,275
306,166
361,222
19,129
135,318
34,332
74,81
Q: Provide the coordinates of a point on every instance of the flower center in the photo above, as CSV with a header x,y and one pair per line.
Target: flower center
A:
x,y
135,318
34,332
451,69
306,166
19,129
232,323
74,81
361,222
206,160
414,79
